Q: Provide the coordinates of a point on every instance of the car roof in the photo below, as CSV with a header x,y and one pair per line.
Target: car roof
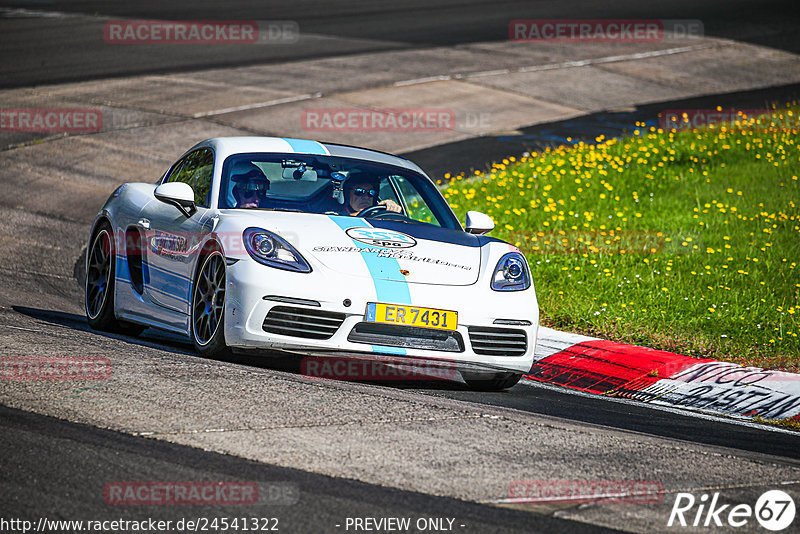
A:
x,y
227,146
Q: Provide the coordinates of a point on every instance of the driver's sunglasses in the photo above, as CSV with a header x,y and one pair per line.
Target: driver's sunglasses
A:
x,y
359,192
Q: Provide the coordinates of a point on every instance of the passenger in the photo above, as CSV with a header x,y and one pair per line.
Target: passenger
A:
x,y
251,186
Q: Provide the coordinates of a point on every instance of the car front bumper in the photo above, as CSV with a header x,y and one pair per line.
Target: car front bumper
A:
x,y
253,291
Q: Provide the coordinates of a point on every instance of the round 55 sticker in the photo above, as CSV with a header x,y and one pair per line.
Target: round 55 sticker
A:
x,y
378,237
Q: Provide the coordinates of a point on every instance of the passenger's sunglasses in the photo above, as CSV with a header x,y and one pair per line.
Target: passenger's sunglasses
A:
x,y
253,187
359,192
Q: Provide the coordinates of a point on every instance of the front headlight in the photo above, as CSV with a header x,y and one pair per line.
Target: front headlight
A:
x,y
269,249
511,273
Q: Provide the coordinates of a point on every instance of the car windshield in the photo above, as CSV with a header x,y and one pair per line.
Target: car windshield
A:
x,y
334,186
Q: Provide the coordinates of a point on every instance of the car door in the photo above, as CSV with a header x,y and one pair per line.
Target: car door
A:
x,y
172,237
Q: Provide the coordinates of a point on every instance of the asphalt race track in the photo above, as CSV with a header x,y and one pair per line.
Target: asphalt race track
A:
x,y
334,450
70,47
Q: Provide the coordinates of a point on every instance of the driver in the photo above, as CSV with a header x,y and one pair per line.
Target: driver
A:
x,y
251,186
361,192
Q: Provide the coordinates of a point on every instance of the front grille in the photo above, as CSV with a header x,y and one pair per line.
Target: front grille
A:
x,y
302,322
498,341
407,337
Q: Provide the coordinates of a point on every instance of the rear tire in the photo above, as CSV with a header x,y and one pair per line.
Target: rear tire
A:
x,y
491,382
208,307
99,286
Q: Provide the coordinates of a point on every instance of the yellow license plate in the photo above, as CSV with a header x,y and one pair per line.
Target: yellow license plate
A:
x,y
378,312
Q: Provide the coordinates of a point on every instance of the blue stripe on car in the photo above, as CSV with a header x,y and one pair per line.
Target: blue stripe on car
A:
x,y
382,349
306,147
388,291
179,293
121,269
178,277
165,294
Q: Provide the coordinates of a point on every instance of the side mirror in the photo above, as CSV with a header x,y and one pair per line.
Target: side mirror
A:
x,y
178,194
478,223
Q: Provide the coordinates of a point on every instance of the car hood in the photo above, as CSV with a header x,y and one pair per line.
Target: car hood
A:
x,y
379,249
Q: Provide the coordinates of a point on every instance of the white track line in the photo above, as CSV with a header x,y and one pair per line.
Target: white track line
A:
x,y
22,13
427,79
257,105
562,65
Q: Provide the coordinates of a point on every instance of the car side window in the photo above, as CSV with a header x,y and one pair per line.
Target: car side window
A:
x,y
196,170
413,203
174,171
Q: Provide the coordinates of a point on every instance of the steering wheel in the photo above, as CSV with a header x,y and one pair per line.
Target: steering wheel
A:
x,y
372,211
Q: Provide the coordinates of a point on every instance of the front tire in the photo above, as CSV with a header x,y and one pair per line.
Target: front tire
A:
x,y
208,307
99,288
491,382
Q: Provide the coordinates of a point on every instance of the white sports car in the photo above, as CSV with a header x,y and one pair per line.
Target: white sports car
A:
x,y
318,249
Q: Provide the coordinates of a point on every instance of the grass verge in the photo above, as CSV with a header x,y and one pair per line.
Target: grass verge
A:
x,y
686,241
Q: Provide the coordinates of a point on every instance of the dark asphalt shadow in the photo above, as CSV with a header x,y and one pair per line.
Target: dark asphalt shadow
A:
x,y
151,337
270,360
637,417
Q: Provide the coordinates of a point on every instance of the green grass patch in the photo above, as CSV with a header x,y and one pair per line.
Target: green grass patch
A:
x,y
687,241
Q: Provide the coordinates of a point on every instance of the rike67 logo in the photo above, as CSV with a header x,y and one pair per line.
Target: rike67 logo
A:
x,y
774,510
